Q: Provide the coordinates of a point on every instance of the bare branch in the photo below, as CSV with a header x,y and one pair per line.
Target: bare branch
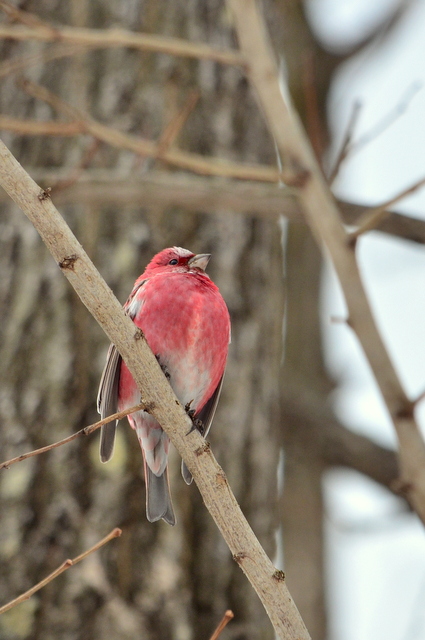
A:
x,y
350,147
389,119
85,431
324,220
157,395
174,127
346,141
53,52
113,38
84,124
35,128
115,533
229,615
371,218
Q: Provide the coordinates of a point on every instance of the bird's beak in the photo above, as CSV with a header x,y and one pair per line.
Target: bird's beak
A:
x,y
201,260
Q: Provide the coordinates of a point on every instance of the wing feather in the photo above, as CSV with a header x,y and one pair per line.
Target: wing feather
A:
x,y
107,401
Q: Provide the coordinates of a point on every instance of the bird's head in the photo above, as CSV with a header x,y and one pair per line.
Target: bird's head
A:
x,y
178,259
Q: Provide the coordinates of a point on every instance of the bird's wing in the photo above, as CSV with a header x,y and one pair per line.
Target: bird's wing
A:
x,y
107,401
206,416
107,398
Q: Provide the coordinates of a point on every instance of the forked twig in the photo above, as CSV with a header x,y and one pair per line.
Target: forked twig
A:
x,y
228,615
371,218
346,141
82,123
348,147
115,533
82,432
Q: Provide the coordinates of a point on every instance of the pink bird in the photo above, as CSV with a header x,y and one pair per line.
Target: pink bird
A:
x,y
186,324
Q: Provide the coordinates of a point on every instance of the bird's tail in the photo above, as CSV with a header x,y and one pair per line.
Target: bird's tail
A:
x,y
158,498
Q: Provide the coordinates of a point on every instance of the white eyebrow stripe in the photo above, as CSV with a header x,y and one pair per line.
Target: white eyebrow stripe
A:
x,y
183,253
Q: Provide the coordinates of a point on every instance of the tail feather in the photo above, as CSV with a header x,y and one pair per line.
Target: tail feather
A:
x,y
158,498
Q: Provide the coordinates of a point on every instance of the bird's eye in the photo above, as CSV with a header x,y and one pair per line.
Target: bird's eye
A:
x,y
173,261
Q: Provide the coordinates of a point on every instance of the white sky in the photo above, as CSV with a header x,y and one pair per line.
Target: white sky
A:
x,y
376,553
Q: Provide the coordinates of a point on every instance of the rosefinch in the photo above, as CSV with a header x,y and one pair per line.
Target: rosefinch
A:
x,y
186,324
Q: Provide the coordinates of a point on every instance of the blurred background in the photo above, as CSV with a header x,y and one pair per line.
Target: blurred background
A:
x,y
300,430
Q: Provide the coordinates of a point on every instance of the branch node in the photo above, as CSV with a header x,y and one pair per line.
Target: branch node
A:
x,y
239,557
148,406
205,448
139,335
45,194
402,487
294,174
68,262
352,240
279,575
406,410
221,478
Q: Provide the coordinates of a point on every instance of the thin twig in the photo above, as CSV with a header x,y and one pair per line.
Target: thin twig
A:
x,y
41,93
115,533
314,130
228,615
85,431
346,141
26,18
371,218
35,128
85,161
389,119
174,127
54,52
84,124
113,38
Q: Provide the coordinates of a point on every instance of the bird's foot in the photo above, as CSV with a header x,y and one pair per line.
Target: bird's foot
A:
x,y
197,425
163,367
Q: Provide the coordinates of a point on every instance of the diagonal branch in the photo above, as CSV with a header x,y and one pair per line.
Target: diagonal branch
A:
x,y
85,431
115,533
157,396
113,38
323,217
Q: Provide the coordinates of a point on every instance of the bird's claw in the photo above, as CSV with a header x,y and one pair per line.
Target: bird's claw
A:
x,y
163,368
197,424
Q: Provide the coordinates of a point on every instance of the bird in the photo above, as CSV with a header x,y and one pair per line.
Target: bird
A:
x,y
186,323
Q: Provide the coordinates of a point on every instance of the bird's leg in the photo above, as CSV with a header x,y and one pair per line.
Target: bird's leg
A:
x,y
163,367
196,423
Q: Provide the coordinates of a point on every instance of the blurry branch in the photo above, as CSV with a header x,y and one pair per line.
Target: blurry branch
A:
x,y
82,123
85,431
36,128
322,215
174,127
350,147
26,18
335,444
115,533
346,141
389,119
371,218
84,162
113,38
200,194
157,396
229,615
54,52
